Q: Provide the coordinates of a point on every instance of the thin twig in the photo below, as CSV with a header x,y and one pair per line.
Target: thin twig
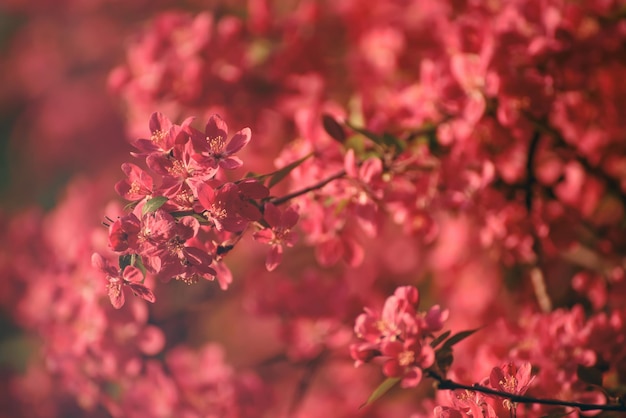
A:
x,y
316,186
612,183
530,169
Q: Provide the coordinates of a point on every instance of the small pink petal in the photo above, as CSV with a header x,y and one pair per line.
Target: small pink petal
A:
x,y
116,295
290,217
151,340
371,168
272,215
353,253
142,291
238,141
264,236
495,377
290,238
206,195
159,122
412,378
391,368
103,264
253,189
216,127
436,317
408,293
274,257
329,252
349,163
224,275
230,163
132,274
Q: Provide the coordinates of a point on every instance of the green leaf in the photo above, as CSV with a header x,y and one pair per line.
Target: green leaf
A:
x,y
393,142
368,134
130,206
138,262
333,128
341,205
357,143
590,375
381,390
434,343
253,175
153,204
457,338
113,390
278,175
386,141
16,352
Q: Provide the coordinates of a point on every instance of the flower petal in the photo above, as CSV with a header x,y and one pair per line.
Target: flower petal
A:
x,y
142,291
116,295
132,274
272,215
230,163
238,141
412,377
159,122
216,127
103,264
274,257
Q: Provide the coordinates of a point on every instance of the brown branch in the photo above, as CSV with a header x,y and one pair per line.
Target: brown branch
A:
x,y
530,170
311,368
316,186
613,184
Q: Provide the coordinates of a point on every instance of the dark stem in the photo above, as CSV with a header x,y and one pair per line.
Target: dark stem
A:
x,y
316,186
612,183
530,170
311,368
446,384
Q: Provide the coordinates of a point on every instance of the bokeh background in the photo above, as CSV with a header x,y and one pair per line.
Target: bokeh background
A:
x,y
79,78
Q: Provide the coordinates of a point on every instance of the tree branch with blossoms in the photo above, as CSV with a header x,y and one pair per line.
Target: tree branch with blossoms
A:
x,y
187,216
402,340
447,384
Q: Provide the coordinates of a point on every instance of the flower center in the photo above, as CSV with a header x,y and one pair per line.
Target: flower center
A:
x,y
509,383
157,136
406,358
216,144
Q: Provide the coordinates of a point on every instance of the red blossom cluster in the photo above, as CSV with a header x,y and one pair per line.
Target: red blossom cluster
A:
x,y
184,220
464,155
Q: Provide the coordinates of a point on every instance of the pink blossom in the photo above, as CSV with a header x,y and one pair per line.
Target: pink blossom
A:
x,y
124,234
164,135
278,234
137,185
512,379
131,276
228,207
214,144
472,403
182,166
406,360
